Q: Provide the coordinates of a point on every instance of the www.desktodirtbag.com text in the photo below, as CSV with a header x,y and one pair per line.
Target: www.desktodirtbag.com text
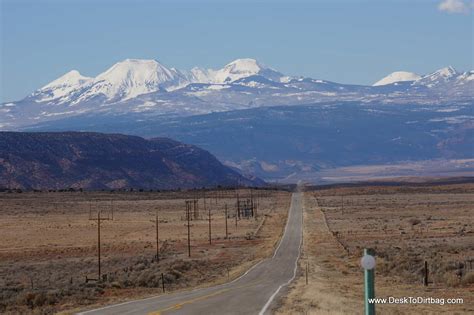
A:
x,y
415,300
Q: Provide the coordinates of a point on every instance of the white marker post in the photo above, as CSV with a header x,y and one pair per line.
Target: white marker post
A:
x,y
368,263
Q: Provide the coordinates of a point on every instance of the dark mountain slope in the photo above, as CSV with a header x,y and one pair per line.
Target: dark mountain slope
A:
x,y
276,142
95,161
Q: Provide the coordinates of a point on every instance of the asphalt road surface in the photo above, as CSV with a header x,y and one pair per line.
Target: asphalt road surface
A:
x,y
255,292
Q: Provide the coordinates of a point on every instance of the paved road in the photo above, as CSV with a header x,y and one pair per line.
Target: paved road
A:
x,y
253,293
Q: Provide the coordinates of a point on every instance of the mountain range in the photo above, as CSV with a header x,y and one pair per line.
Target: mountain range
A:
x,y
107,161
151,88
262,122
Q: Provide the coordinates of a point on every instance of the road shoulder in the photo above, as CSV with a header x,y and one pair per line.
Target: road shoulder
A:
x,y
326,260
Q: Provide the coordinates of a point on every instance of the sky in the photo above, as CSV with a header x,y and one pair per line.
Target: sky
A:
x,y
347,41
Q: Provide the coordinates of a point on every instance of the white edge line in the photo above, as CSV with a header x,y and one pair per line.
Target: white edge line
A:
x,y
270,300
160,296
197,289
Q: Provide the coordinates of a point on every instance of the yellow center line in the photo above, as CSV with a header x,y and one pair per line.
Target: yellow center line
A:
x,y
180,305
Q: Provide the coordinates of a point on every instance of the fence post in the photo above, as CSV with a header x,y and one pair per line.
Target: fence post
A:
x,y
306,272
425,277
163,282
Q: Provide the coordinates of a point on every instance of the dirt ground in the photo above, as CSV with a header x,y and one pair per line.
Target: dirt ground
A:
x,y
49,244
406,225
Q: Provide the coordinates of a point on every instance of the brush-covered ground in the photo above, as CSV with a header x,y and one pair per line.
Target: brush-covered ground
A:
x,y
406,225
49,244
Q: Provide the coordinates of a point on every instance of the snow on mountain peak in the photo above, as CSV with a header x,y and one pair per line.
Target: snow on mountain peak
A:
x,y
199,75
62,86
439,76
245,67
237,69
131,77
71,78
466,76
445,72
136,71
397,76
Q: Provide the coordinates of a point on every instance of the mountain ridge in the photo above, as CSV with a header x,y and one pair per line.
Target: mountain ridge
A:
x,y
149,87
397,76
90,160
290,141
245,67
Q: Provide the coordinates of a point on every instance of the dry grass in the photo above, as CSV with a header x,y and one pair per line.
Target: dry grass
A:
x,y
406,226
48,245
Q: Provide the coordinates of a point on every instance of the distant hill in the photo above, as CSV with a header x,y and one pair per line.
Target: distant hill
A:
x,y
288,143
60,160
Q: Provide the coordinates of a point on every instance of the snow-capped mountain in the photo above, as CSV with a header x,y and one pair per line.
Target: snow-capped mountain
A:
x,y
242,68
128,79
284,126
133,77
444,75
397,76
466,77
124,80
199,75
62,86
233,71
151,88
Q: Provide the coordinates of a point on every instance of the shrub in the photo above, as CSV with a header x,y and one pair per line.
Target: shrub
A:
x,y
414,221
468,278
40,299
451,279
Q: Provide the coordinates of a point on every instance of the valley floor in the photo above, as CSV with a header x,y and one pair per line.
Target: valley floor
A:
x,y
49,245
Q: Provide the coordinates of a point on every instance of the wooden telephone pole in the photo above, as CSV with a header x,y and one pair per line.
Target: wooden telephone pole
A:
x,y
99,219
188,219
342,204
238,207
157,236
157,239
210,229
226,230
112,207
98,242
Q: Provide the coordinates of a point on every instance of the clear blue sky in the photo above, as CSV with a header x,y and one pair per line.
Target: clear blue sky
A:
x,y
344,41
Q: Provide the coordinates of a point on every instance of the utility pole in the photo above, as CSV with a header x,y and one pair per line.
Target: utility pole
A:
x,y
204,197
98,242
251,202
256,202
99,219
226,230
236,211
342,204
210,237
195,209
157,238
238,206
188,217
112,207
